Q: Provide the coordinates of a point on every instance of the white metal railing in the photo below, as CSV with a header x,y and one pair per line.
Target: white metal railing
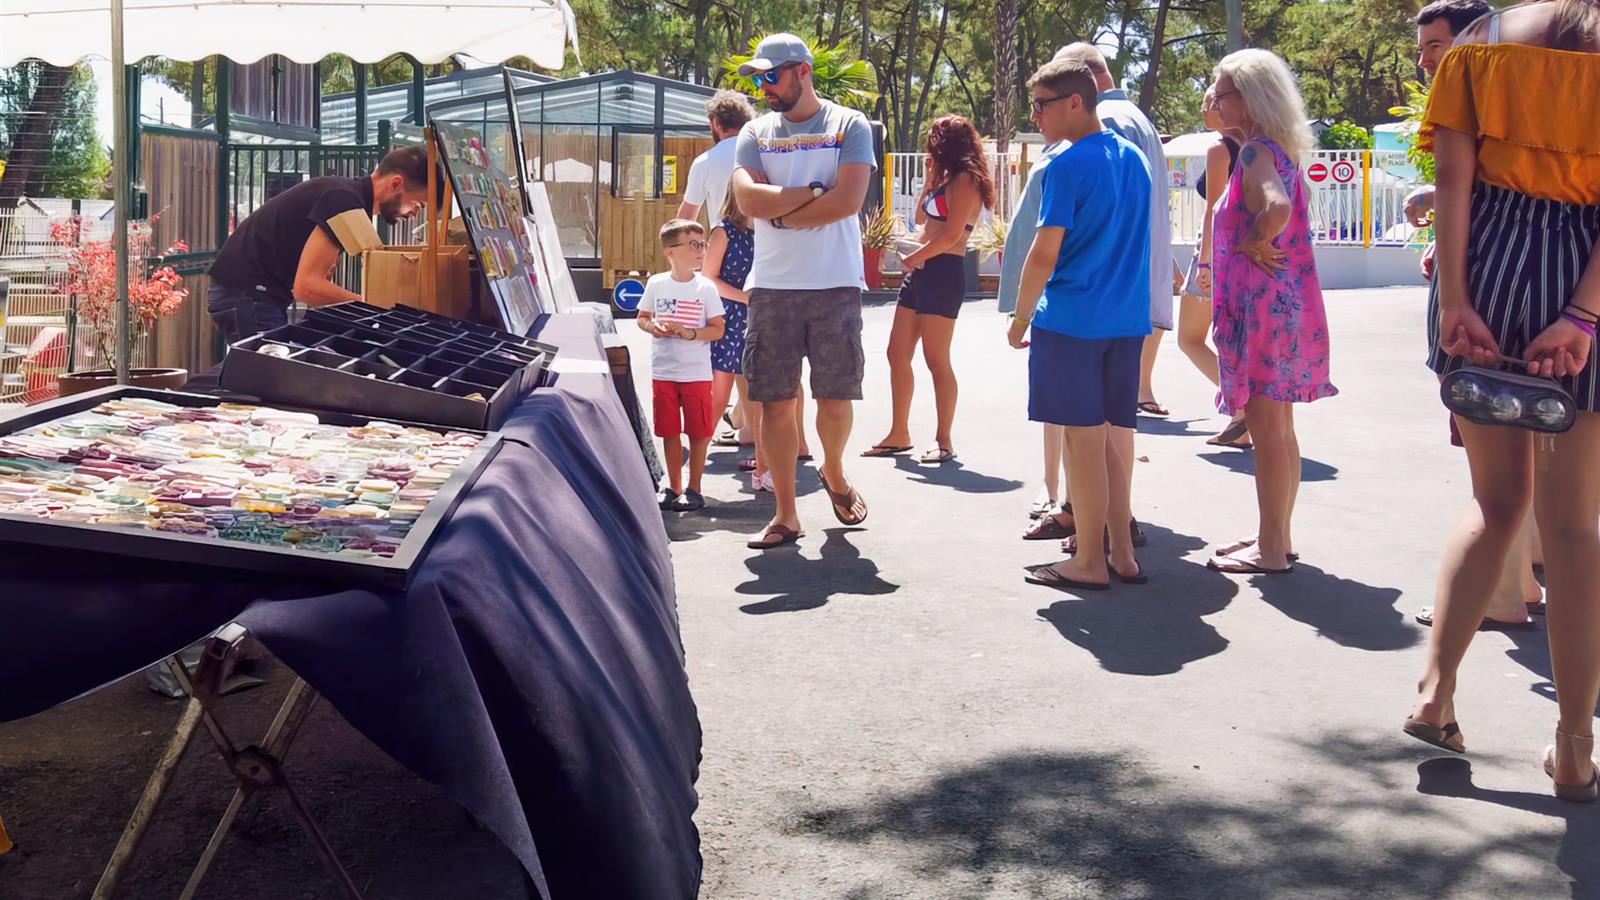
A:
x,y
38,310
1357,202
1357,197
905,174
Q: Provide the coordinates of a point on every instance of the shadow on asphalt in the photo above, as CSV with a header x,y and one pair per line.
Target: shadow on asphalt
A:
x,y
743,516
796,583
955,475
1347,612
1531,651
1245,464
1155,628
1452,777
1173,427
1094,824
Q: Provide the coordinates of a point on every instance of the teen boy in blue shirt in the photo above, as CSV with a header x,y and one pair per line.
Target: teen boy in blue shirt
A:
x,y
1090,260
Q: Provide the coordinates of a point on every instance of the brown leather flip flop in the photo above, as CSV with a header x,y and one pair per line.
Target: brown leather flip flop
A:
x,y
783,533
1049,528
1445,737
855,508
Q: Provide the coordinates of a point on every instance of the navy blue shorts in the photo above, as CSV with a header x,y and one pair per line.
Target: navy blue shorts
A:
x,y
1083,383
727,352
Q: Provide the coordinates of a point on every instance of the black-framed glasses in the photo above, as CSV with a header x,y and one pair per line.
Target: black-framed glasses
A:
x,y
1039,105
771,76
695,245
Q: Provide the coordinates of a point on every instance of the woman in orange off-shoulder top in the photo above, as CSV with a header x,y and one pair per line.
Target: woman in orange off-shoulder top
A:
x,y
1514,123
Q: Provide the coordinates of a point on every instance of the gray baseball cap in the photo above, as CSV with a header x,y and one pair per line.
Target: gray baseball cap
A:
x,y
775,50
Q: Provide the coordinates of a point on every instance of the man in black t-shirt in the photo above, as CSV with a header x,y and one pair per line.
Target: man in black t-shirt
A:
x,y
286,250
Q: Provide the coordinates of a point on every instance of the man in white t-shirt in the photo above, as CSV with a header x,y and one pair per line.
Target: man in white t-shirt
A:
x,y
803,172
707,186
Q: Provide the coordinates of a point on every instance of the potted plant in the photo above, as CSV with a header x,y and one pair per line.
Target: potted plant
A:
x,y
989,238
153,293
878,234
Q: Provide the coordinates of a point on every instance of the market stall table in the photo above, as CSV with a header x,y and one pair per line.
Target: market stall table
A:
x,y
533,669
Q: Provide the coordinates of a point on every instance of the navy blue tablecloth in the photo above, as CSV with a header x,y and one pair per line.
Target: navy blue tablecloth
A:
x,y
533,669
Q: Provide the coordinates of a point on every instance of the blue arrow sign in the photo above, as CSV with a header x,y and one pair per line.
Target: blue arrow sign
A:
x,y
627,294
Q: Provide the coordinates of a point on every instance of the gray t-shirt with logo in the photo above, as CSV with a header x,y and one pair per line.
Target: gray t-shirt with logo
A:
x,y
796,154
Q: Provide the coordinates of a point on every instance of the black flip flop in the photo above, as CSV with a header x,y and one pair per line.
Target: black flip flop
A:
x,y
1243,568
1244,545
1061,582
880,451
1424,617
1138,578
1229,437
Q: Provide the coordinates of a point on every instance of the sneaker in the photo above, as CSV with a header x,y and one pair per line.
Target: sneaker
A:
x,y
667,500
762,482
690,501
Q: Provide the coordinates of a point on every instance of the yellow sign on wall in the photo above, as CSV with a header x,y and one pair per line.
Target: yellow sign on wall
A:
x,y
669,174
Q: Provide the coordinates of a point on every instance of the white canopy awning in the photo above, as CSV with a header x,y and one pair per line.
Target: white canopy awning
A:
x,y
64,31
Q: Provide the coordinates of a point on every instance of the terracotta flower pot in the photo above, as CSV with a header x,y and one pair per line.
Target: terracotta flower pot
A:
x,y
873,258
78,382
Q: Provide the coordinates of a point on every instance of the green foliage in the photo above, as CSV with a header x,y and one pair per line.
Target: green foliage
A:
x,y
912,60
1411,111
930,57
835,74
1345,136
75,165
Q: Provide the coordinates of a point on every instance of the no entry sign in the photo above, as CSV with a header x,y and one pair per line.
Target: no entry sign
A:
x,y
1343,172
1317,173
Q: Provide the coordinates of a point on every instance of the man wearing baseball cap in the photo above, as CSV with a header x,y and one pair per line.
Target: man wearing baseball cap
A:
x,y
803,172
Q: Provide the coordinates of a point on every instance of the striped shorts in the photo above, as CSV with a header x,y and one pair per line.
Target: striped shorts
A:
x,y
1524,258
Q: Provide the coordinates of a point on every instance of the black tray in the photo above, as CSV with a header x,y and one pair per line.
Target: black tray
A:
x,y
391,363
393,572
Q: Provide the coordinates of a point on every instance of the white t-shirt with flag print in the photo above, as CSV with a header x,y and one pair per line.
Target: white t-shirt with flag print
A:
x,y
688,304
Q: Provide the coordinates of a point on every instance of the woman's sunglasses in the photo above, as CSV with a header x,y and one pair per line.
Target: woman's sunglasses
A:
x,y
771,76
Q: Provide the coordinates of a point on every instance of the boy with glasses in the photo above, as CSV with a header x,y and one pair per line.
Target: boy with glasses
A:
x,y
1090,261
682,310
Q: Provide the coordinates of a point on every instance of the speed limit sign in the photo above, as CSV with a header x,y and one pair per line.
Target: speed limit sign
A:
x,y
1343,172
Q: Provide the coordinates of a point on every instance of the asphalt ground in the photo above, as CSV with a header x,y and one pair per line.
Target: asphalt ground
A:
x,y
890,711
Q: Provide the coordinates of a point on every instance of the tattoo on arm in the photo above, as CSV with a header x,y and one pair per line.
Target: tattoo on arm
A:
x,y
1248,154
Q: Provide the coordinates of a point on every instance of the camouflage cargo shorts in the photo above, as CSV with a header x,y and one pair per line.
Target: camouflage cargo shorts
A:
x,y
823,326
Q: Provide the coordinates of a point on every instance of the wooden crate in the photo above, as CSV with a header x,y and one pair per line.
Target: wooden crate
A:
x,y
629,226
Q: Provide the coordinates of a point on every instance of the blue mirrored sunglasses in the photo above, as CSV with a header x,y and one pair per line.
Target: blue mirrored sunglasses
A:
x,y
771,76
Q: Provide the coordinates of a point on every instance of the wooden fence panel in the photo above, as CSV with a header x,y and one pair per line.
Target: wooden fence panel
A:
x,y
179,174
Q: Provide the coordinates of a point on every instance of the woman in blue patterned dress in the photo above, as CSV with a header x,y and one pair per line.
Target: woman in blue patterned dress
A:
x,y
729,255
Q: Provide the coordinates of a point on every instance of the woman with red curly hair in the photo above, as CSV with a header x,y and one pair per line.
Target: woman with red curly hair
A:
x,y
955,192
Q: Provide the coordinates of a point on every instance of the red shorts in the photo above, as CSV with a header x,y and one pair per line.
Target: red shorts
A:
x,y
683,407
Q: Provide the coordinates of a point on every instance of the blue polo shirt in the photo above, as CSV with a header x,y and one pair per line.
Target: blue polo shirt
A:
x,y
1099,191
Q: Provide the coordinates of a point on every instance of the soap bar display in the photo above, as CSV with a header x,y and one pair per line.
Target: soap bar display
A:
x,y
231,484
400,363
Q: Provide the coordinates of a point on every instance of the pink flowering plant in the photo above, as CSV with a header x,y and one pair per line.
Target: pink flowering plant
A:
x,y
153,293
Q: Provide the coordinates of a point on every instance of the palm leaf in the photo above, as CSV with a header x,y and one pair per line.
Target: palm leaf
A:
x,y
837,77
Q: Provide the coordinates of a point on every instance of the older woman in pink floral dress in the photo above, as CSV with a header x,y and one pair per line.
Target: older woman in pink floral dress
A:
x,y
1268,321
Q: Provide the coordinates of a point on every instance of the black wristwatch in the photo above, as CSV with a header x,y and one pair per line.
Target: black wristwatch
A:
x,y
778,222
